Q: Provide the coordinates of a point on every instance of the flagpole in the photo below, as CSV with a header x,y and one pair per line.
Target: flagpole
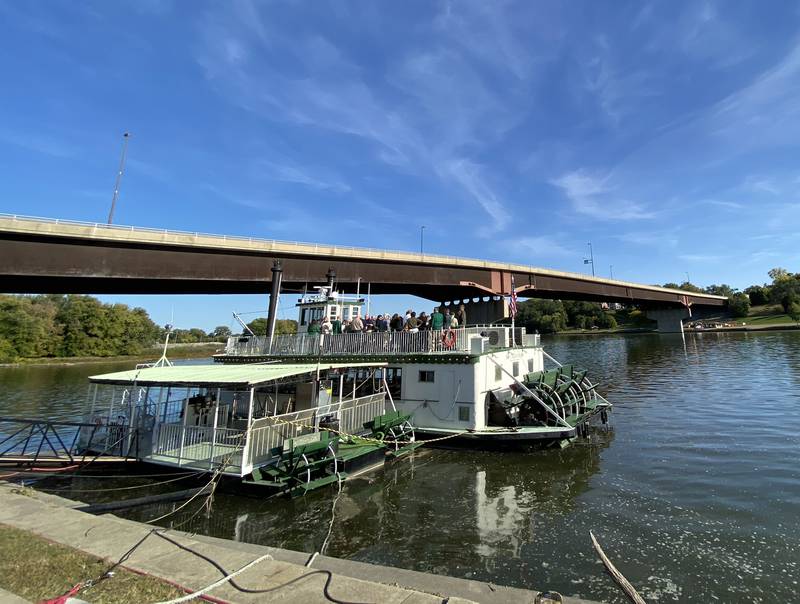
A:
x,y
513,313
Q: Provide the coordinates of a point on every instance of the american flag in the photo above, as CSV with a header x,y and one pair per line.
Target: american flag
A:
x,y
512,306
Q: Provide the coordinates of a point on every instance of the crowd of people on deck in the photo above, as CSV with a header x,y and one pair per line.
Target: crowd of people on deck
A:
x,y
441,319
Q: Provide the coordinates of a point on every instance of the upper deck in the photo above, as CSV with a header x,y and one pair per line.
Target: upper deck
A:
x,y
392,344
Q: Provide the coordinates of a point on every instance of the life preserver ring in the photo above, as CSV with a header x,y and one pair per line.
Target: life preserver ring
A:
x,y
449,339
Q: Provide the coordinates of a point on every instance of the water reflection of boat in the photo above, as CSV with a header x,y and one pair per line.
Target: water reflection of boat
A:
x,y
479,510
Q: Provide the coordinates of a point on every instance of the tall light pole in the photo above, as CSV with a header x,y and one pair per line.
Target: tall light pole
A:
x,y
590,259
421,238
125,138
611,270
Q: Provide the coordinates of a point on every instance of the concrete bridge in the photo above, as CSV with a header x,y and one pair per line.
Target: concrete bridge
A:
x,y
40,255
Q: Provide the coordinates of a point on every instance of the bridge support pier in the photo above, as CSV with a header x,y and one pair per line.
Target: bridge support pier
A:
x,y
481,312
670,320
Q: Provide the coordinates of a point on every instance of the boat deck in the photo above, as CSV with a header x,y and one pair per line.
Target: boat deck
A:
x,y
200,456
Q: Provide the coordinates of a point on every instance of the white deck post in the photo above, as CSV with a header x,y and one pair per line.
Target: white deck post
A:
x,y
246,469
213,435
185,407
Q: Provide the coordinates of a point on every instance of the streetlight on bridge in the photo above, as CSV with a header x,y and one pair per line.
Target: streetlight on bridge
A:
x,y
590,259
421,238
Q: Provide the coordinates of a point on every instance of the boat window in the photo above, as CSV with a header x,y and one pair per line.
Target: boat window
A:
x,y
530,365
463,414
346,313
498,373
394,379
303,316
515,369
334,311
426,376
355,310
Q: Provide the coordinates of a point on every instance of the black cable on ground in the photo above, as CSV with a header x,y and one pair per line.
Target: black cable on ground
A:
x,y
235,585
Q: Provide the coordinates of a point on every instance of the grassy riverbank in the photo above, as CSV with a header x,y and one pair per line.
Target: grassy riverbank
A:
x,y
37,569
177,351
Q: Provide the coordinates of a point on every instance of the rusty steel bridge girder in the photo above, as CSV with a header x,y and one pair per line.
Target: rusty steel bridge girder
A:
x,y
43,256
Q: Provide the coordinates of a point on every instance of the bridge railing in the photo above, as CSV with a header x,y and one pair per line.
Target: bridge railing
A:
x,y
376,343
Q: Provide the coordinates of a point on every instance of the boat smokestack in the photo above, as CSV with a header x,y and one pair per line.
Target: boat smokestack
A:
x,y
272,317
331,275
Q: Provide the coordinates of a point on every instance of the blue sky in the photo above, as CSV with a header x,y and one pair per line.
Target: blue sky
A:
x,y
666,133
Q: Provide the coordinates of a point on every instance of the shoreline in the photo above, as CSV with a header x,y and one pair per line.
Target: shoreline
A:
x,y
178,351
108,537
748,328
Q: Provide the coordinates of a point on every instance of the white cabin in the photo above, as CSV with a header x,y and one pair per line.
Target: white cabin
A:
x,y
327,303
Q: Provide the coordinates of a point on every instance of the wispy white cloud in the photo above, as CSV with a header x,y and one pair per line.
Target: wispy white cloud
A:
x,y
719,203
39,143
294,174
663,238
534,247
765,112
436,116
592,195
489,32
701,257
761,184
469,176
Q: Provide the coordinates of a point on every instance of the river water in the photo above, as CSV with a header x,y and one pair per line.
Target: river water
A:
x,y
693,489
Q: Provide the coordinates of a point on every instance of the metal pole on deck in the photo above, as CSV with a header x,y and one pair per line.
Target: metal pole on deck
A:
x,y
272,317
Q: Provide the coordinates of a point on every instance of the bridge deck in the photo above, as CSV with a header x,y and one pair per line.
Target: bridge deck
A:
x,y
47,255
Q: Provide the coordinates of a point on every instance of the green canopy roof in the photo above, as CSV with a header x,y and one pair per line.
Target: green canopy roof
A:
x,y
217,375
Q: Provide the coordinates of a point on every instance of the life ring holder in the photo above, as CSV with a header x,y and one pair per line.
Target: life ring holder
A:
x,y
449,339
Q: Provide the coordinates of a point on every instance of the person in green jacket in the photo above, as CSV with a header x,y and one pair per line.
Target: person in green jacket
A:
x,y
314,327
337,325
437,320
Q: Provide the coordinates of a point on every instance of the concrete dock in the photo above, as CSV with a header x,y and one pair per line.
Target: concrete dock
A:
x,y
108,536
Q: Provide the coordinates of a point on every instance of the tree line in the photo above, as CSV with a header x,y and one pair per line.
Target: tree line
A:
x,y
81,326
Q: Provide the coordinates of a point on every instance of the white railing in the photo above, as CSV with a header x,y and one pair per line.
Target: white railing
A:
x,y
200,445
376,343
269,433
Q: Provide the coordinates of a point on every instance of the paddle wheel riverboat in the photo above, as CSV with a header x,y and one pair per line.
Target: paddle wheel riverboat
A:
x,y
483,383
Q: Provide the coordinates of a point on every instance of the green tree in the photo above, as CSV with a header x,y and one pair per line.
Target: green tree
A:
x,y
758,294
220,332
778,274
285,327
789,301
739,305
784,286
258,326
720,290
794,311
544,316
690,287
671,285
282,326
